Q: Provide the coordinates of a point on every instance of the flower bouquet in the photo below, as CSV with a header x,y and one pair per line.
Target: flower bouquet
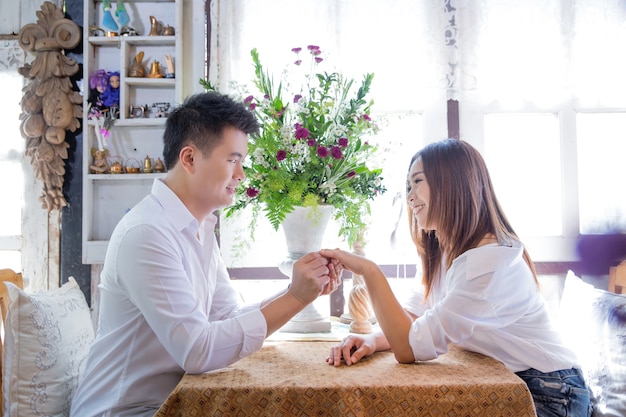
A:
x,y
312,148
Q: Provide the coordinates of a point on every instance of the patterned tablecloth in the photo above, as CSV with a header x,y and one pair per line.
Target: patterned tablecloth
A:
x,y
292,379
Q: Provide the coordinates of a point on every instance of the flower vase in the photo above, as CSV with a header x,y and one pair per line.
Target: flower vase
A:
x,y
304,230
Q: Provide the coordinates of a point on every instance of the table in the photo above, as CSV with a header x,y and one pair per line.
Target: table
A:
x,y
291,378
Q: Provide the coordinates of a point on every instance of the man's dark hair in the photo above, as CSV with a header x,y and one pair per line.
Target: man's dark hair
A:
x,y
201,120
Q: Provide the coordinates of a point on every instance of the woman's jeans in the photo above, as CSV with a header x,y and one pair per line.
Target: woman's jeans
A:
x,y
558,394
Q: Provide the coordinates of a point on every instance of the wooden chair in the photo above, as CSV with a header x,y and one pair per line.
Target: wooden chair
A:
x,y
617,278
6,275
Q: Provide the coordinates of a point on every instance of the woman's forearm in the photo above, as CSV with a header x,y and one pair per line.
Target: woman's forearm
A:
x,y
394,321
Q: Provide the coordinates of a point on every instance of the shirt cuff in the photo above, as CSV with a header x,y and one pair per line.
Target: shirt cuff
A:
x,y
421,341
254,328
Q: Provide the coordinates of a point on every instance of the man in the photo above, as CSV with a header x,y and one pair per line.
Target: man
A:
x,y
166,303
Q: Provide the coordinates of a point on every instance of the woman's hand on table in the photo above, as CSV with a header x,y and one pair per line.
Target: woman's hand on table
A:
x,y
352,349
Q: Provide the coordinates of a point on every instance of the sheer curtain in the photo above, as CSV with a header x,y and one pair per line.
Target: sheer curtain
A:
x,y
11,156
399,41
541,94
538,83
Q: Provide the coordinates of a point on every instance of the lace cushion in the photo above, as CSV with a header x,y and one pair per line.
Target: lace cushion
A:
x,y
47,337
593,324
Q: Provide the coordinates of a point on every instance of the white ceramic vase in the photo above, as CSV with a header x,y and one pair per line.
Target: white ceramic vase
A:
x,y
304,230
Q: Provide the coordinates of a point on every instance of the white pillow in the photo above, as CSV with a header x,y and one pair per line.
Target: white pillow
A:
x,y
47,337
593,324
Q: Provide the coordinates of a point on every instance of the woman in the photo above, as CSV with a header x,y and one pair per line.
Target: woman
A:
x,y
480,289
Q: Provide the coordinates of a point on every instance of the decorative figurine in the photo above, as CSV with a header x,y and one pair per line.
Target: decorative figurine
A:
x,y
121,14
162,109
135,111
168,30
132,166
107,20
137,69
169,63
98,84
159,166
111,96
147,165
99,164
94,31
128,31
116,168
154,26
155,70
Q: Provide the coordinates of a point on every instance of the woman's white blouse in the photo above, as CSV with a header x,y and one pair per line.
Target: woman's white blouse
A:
x,y
488,302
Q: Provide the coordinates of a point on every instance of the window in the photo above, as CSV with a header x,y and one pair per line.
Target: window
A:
x,y
601,196
546,110
11,156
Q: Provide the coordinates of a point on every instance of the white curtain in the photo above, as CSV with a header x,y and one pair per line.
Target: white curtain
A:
x,y
398,40
540,51
490,55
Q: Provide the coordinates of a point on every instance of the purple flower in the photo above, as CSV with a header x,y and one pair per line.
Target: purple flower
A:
x,y
314,49
296,50
252,106
318,59
335,151
350,174
343,142
322,151
366,117
297,98
248,99
302,132
298,62
280,155
252,192
311,142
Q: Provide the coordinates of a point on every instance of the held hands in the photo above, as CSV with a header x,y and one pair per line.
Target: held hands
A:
x,y
352,349
314,275
355,263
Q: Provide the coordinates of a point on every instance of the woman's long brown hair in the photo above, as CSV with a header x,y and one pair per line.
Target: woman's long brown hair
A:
x,y
463,205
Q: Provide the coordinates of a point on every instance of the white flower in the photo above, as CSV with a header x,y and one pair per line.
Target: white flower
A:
x,y
257,155
329,188
287,134
302,150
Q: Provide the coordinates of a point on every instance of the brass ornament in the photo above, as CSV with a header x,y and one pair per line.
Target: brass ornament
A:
x,y
137,69
49,104
147,165
155,70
